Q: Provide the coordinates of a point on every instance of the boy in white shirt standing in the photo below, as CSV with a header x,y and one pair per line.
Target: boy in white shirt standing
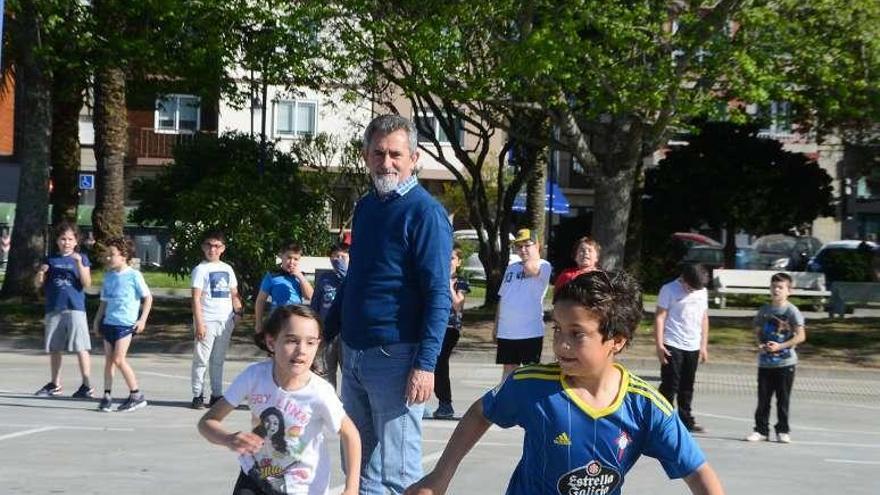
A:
x,y
681,328
519,322
216,308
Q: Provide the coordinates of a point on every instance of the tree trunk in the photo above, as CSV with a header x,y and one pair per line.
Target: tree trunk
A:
x,y
32,149
111,126
535,198
633,251
614,186
67,101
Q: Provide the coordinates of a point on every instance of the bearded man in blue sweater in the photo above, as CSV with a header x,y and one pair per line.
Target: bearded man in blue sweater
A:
x,y
395,303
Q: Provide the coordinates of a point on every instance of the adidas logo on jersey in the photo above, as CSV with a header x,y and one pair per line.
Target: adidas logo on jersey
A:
x,y
562,439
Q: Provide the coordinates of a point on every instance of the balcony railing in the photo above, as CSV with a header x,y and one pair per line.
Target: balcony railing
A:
x,y
145,142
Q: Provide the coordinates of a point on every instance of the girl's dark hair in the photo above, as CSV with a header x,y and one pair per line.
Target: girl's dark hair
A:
x,y
63,226
280,315
277,439
125,246
614,297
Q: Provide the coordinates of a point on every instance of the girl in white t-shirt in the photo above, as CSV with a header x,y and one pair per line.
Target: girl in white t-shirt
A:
x,y
292,410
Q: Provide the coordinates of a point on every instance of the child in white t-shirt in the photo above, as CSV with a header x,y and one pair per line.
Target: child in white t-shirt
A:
x,y
519,321
216,308
292,410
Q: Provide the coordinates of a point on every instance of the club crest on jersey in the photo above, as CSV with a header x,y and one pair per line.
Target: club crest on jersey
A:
x,y
623,440
592,479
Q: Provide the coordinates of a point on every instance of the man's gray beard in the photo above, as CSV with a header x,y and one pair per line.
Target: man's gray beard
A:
x,y
385,184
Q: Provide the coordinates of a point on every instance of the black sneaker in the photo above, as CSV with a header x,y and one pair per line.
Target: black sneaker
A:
x,y
444,411
214,399
132,403
83,392
49,389
106,404
198,403
695,428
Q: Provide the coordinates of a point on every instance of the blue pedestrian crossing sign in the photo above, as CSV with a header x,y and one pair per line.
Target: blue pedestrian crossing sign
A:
x,y
86,181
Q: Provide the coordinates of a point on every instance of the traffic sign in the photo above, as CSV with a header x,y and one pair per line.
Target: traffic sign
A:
x,y
86,181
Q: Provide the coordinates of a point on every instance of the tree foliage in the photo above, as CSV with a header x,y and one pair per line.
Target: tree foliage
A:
x,y
616,78
335,171
728,178
214,184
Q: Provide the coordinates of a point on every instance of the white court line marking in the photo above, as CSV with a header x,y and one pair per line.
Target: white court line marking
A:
x,y
797,427
65,427
27,432
852,461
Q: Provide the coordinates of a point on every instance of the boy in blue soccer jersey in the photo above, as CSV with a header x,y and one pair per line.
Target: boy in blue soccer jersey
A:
x,y
586,419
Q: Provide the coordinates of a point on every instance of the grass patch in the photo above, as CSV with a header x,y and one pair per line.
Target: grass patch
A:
x,y
154,280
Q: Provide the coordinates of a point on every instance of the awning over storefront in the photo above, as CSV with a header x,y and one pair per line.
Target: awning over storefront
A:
x,y
553,197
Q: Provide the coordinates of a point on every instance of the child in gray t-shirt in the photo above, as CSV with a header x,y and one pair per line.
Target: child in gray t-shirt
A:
x,y
779,327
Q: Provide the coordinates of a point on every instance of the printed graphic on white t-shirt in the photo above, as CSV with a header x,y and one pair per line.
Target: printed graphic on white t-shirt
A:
x,y
294,458
219,284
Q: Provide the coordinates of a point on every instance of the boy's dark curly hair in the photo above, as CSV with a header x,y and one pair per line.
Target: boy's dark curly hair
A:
x,y
123,244
614,297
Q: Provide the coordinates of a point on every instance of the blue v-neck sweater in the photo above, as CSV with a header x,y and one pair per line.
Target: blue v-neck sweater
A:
x,y
397,286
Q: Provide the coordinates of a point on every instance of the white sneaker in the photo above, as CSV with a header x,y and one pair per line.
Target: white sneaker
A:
x,y
756,437
783,437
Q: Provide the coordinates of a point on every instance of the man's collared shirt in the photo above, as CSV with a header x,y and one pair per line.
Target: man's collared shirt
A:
x,y
402,188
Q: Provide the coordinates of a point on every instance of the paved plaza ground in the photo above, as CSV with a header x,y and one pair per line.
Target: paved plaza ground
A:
x,y
62,445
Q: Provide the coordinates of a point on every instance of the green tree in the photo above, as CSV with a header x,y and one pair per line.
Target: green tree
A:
x,y
335,171
28,26
616,78
728,178
214,184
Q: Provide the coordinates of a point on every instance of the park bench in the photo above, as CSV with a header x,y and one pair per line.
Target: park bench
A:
x,y
806,284
845,294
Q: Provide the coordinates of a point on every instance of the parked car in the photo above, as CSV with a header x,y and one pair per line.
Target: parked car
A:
x,y
690,239
472,267
783,252
819,262
712,257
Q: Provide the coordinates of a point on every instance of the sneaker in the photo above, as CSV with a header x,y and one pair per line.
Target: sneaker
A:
x,y
133,402
198,402
214,399
695,428
783,438
49,389
84,392
756,437
106,404
444,411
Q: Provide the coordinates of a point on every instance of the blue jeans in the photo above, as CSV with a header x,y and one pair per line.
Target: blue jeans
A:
x,y
373,393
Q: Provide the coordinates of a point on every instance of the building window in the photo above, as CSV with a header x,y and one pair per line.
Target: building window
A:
x,y
178,114
295,118
429,128
777,115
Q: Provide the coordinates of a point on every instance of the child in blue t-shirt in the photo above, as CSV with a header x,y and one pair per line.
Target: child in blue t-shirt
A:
x,y
123,293
327,285
64,276
586,418
285,286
